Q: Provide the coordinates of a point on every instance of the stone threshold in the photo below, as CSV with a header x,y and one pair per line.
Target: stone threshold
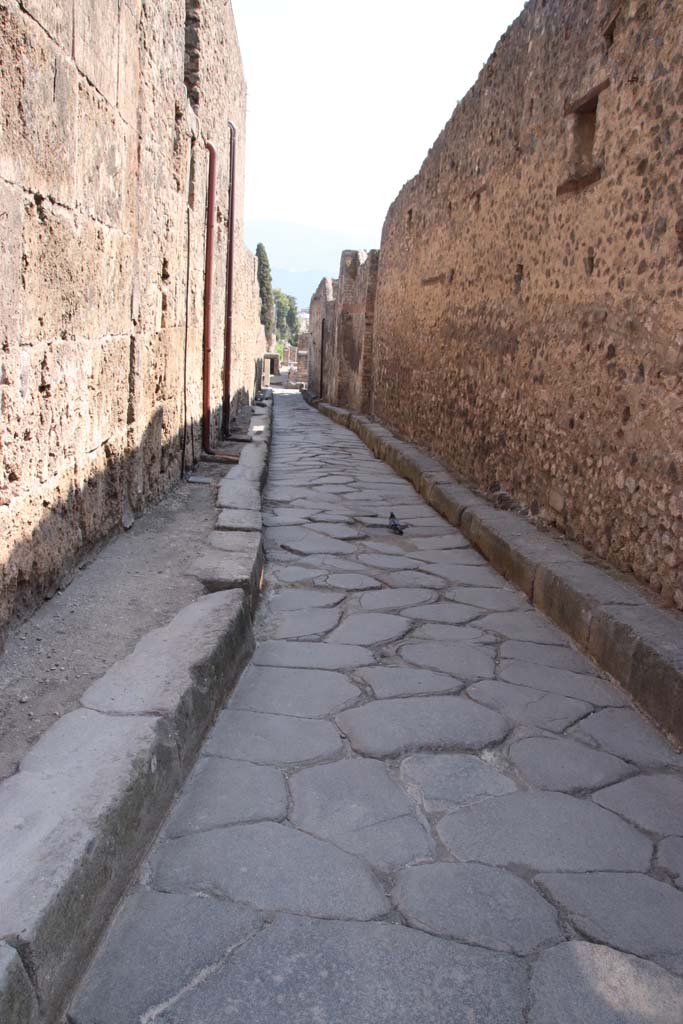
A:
x,y
88,799
639,644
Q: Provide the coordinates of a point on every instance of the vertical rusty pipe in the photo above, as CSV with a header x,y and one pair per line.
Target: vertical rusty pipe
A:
x,y
229,281
208,299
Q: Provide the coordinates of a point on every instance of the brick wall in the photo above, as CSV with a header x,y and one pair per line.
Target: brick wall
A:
x,y
529,314
103,171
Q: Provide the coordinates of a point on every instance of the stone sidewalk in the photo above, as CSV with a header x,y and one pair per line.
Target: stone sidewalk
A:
x,y
421,806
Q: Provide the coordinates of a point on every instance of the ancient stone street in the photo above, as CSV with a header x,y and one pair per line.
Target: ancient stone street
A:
x,y
421,804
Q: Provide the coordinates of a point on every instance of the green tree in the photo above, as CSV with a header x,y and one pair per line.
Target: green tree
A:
x,y
265,287
286,318
293,322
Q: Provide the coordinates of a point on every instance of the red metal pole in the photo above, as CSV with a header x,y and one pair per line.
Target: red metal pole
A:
x,y
229,282
208,300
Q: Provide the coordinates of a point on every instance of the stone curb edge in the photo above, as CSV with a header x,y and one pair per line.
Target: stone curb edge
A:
x,y
89,797
640,645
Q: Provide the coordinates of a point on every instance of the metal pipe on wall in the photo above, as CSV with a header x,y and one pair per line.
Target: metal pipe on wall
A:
x,y
208,299
229,282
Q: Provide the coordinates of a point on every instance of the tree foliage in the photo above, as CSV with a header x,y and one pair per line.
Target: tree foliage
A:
x,y
265,286
287,323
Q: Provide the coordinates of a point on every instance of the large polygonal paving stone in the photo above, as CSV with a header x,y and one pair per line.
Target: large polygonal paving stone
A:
x,y
463,660
670,857
444,612
352,581
492,599
527,625
629,911
564,764
334,972
546,831
413,578
546,654
480,905
295,599
312,623
158,943
387,728
472,575
272,739
221,792
388,845
300,654
581,983
557,680
304,693
306,542
273,867
454,634
398,681
445,781
379,561
531,707
442,543
357,805
625,733
396,597
368,628
653,802
342,531
296,574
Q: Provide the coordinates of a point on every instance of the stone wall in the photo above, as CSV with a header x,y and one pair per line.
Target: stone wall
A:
x,y
529,314
347,308
103,180
322,314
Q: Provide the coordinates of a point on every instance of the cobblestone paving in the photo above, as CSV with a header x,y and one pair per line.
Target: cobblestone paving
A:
x,y
421,805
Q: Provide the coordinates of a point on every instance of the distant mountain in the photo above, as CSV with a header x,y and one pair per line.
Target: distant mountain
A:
x,y
301,256
299,283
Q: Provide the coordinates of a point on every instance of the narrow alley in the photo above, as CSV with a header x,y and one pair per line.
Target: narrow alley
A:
x,y
421,804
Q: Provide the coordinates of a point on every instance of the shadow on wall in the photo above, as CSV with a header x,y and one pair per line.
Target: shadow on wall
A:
x,y
73,528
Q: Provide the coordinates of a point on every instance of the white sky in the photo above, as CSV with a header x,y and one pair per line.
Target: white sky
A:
x,y
345,99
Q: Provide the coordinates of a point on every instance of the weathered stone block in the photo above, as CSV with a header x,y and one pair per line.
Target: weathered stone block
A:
x,y
96,33
129,63
75,818
570,593
56,17
38,107
18,1002
103,183
643,648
